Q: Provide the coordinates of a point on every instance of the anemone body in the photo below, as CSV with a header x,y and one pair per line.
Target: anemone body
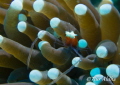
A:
x,y
59,42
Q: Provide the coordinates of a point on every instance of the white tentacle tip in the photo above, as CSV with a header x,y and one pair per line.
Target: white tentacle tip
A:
x,y
35,75
102,52
38,5
76,61
22,26
1,39
80,9
113,71
17,5
41,43
53,73
54,22
105,9
41,34
22,17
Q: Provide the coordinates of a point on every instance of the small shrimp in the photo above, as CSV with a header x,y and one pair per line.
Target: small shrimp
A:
x,y
71,41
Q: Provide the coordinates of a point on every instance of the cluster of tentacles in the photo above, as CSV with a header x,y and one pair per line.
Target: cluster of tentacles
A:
x,y
59,42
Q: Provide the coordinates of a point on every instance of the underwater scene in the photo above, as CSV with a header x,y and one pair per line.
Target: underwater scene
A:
x,y
59,42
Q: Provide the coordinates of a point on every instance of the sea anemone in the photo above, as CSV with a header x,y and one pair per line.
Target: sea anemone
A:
x,y
59,42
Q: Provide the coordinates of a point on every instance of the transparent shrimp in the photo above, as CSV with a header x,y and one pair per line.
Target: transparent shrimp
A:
x,y
64,73
68,70
77,52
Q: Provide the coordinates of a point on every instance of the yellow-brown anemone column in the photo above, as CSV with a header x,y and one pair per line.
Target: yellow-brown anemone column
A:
x,y
39,20
59,56
109,22
91,61
46,36
28,29
86,63
27,4
6,1
51,10
66,7
92,8
4,5
55,2
9,61
89,26
72,3
116,59
106,50
11,21
2,15
62,5
21,53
